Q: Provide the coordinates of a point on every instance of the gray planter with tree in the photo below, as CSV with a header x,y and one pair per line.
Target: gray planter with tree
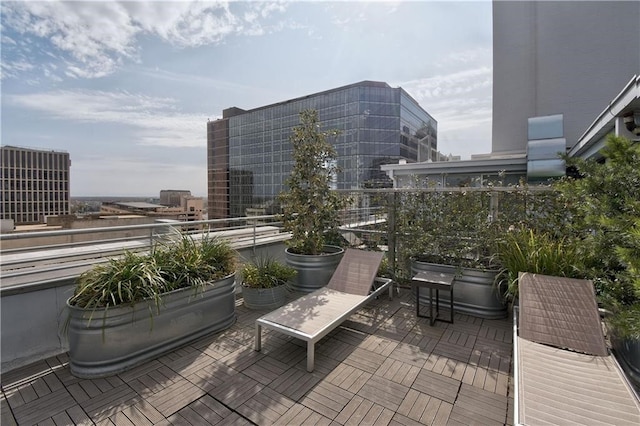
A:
x,y
310,208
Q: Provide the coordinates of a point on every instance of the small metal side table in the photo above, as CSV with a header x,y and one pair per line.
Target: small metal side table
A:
x,y
433,281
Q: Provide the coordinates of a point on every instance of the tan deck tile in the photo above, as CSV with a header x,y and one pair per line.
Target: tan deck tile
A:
x,y
400,420
435,409
210,409
234,393
378,416
242,358
175,396
378,345
350,336
140,370
398,371
235,419
384,392
265,407
60,419
359,413
482,406
426,343
410,354
436,385
121,419
148,411
452,351
41,409
109,403
327,399
334,348
212,376
266,370
365,360
189,362
443,413
348,378
296,415
295,383
6,417
220,348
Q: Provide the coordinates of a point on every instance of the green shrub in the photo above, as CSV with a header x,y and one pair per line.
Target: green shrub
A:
x,y
265,272
525,250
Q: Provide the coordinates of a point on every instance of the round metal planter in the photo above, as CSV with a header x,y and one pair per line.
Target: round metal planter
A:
x,y
264,298
314,271
474,292
106,342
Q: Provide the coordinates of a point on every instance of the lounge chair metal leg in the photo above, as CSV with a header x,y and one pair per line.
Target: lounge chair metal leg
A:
x,y
258,342
310,356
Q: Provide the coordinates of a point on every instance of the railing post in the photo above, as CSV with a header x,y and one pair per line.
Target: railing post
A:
x,y
391,232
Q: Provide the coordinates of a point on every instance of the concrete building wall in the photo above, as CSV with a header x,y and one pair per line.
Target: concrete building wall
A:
x,y
559,57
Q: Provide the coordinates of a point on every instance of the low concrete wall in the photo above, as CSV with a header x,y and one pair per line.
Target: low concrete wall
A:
x,y
33,317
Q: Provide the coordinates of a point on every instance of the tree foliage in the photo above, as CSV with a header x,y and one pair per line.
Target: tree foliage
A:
x,y
310,209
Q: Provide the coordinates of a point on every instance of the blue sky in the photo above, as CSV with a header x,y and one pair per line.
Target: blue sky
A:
x,y
127,87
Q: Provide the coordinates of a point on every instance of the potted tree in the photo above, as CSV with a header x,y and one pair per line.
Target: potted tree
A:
x,y
310,208
136,307
264,282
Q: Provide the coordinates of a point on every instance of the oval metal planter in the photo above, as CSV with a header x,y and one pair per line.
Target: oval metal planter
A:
x,y
264,298
314,271
473,292
103,343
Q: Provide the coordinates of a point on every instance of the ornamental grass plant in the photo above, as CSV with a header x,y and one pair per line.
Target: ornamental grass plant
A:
x,y
266,272
179,262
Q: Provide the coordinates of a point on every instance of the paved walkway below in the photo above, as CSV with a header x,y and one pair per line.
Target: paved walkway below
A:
x,y
382,366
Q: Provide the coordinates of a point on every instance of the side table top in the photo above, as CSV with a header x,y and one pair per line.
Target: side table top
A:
x,y
434,278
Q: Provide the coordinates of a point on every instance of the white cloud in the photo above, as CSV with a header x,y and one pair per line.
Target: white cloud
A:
x,y
156,121
98,37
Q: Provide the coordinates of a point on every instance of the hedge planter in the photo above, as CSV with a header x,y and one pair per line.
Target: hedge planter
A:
x,y
474,292
264,298
106,343
314,271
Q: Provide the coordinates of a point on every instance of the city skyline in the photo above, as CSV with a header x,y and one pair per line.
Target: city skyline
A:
x,y
127,88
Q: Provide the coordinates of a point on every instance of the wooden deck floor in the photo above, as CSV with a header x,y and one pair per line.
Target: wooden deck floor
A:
x,y
383,366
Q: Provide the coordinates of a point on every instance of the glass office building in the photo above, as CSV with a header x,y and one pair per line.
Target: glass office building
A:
x,y
250,155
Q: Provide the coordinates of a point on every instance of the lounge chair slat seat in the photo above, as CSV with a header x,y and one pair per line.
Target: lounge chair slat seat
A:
x,y
564,373
313,316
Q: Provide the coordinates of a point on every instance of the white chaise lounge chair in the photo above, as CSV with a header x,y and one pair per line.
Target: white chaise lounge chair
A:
x,y
313,316
563,371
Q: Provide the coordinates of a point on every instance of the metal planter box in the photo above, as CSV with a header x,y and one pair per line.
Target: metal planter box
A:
x,y
314,271
474,292
103,343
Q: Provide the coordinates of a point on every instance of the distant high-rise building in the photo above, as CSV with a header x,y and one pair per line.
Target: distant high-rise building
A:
x,y
249,154
559,57
35,184
173,197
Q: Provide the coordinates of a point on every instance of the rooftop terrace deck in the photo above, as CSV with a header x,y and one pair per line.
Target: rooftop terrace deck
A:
x,y
382,366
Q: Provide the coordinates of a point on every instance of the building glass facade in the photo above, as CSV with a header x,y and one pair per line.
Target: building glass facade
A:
x,y
378,125
35,184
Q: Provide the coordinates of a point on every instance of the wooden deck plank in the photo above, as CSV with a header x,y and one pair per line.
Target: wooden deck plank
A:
x,y
43,408
384,392
387,377
433,384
